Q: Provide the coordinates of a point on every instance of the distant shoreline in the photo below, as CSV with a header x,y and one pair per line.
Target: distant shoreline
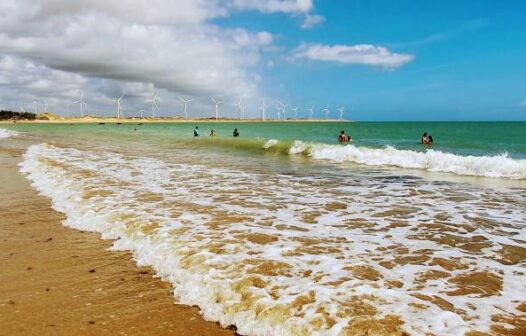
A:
x,y
90,120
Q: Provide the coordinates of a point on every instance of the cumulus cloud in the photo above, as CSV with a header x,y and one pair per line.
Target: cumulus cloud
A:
x,y
354,54
311,21
166,44
52,50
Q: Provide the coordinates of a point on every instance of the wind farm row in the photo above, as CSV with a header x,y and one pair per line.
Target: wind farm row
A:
x,y
279,111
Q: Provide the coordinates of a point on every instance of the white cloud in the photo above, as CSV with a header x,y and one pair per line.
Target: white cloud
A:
x,y
312,20
355,54
54,49
167,44
274,6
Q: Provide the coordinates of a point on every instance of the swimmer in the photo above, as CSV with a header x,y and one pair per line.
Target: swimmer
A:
x,y
424,140
196,131
213,133
236,133
344,137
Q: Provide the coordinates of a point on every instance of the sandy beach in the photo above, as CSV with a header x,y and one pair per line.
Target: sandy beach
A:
x,y
56,280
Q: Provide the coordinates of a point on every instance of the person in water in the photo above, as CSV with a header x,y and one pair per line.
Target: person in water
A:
x,y
344,137
213,133
426,139
236,133
196,131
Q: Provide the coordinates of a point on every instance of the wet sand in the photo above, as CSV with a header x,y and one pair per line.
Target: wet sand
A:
x,y
59,281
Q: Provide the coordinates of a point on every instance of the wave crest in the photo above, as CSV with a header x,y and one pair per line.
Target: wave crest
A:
x,y
432,160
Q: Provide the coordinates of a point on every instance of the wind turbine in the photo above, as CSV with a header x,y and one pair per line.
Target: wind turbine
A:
x,y
186,102
278,109
81,103
311,111
22,108
141,112
35,106
154,103
283,109
263,111
217,103
241,108
326,110
341,111
295,110
120,110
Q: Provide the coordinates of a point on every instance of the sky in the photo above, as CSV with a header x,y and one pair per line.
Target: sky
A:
x,y
379,60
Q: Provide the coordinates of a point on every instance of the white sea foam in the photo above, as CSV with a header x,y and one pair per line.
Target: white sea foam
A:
x,y
5,133
274,255
432,160
270,143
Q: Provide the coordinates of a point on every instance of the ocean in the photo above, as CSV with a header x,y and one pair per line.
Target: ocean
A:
x,y
284,231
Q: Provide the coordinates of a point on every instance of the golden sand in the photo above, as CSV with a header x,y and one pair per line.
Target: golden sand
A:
x,y
59,281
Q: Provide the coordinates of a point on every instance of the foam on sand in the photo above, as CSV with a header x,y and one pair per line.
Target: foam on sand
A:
x,y
302,255
5,133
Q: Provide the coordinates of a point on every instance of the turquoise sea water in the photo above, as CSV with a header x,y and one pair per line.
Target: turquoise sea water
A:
x,y
465,138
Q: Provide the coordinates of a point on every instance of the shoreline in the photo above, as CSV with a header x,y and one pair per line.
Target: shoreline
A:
x,y
91,120
57,280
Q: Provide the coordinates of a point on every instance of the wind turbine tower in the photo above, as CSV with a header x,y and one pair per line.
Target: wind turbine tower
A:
x,y
120,110
35,106
217,103
154,103
283,109
341,112
263,111
295,110
327,111
279,110
81,103
241,108
311,111
186,102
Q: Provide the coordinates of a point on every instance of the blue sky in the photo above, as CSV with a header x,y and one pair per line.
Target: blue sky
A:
x,y
470,59
382,60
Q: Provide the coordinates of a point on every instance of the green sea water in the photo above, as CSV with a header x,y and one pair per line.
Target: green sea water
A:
x,y
463,138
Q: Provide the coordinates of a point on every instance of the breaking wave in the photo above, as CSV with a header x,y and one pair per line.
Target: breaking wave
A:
x,y
499,166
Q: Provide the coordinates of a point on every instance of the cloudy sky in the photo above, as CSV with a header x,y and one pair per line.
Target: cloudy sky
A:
x,y
382,60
